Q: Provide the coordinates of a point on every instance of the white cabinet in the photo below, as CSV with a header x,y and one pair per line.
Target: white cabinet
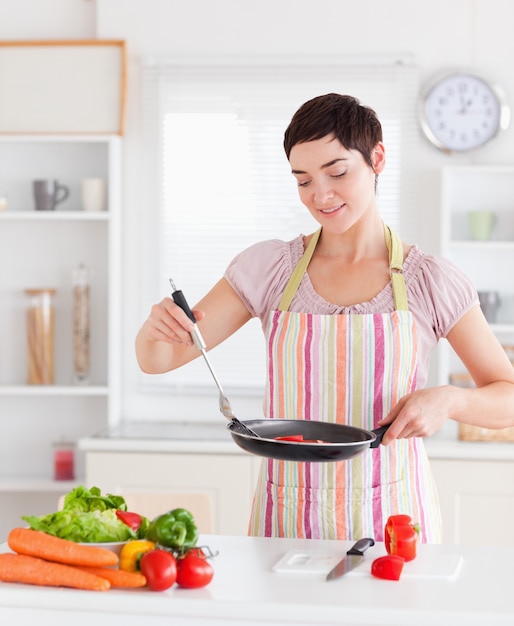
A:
x,y
477,500
488,262
41,249
219,487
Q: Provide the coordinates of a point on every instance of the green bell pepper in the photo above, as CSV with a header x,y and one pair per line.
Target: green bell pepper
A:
x,y
175,529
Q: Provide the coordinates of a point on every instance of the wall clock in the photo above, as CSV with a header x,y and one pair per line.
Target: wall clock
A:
x,y
460,111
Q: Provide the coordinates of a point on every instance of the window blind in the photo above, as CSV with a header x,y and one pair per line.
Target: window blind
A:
x,y
218,180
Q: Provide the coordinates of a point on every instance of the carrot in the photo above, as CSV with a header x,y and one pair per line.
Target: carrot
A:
x,y
117,577
31,570
41,544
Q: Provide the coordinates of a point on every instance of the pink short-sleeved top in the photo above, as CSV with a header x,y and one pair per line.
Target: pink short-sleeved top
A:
x,y
438,292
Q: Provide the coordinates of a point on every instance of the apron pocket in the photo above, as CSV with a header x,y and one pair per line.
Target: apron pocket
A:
x,y
330,513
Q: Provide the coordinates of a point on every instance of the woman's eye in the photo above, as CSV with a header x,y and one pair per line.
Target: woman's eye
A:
x,y
338,175
304,183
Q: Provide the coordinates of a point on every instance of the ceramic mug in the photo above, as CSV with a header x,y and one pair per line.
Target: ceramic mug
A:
x,y
93,194
489,303
48,194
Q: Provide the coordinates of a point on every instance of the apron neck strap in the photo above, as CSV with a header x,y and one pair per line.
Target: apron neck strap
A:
x,y
298,273
394,245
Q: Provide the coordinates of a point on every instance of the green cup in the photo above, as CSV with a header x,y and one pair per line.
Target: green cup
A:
x,y
481,224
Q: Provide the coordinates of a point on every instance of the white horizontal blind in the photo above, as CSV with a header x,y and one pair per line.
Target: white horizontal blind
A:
x,y
220,181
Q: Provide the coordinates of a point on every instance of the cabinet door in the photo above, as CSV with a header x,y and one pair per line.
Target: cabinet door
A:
x,y
217,489
477,501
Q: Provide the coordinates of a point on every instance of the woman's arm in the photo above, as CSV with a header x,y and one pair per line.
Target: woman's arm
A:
x,y
164,343
489,405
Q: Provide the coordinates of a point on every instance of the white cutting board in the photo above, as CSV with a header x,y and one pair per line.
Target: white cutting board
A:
x,y
319,562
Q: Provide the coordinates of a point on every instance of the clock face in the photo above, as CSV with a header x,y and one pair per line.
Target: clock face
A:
x,y
462,112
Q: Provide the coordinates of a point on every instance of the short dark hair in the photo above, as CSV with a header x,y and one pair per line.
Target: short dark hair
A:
x,y
356,126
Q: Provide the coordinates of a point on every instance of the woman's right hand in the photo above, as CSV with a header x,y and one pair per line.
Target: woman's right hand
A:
x,y
164,341
167,322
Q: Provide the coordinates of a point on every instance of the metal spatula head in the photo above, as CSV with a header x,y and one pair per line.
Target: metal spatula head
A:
x,y
225,408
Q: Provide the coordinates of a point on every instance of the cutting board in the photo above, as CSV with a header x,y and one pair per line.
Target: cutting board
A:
x,y
319,562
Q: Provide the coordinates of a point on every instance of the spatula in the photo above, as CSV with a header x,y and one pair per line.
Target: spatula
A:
x,y
225,408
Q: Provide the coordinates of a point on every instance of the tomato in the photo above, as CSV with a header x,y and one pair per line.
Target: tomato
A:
x,y
401,536
388,567
160,569
290,438
193,570
132,520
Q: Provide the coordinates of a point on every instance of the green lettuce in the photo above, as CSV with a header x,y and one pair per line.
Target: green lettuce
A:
x,y
88,517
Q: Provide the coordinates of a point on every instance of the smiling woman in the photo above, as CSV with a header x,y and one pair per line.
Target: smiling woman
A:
x,y
214,133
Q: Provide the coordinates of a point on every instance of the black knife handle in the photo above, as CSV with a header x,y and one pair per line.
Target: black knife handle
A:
x,y
361,546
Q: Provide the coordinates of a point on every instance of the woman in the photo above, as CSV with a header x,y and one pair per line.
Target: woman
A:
x,y
351,315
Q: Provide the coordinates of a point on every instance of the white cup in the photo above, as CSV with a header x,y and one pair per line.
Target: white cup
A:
x,y
93,194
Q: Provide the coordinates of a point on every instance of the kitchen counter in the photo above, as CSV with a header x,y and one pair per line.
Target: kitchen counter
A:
x,y
474,589
214,438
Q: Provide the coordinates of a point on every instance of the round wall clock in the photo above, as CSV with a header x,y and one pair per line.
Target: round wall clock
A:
x,y
460,111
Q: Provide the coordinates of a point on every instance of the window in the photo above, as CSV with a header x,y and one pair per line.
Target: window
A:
x,y
214,136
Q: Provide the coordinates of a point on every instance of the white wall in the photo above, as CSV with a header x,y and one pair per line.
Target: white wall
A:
x,y
440,34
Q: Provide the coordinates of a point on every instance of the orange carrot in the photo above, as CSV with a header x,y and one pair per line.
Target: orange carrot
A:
x,y
117,577
40,544
31,570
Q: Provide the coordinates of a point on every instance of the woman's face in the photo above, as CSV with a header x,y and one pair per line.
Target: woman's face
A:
x,y
335,184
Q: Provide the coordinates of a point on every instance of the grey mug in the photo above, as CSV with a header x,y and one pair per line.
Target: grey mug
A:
x,y
489,303
48,194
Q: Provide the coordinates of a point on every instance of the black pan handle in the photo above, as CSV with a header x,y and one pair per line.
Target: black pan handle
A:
x,y
379,432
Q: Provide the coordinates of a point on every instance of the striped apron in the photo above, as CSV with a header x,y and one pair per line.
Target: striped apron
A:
x,y
348,369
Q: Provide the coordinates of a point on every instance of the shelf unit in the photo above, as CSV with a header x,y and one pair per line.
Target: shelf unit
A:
x,y
489,263
41,249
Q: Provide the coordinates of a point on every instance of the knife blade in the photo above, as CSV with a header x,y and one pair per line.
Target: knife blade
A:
x,y
353,558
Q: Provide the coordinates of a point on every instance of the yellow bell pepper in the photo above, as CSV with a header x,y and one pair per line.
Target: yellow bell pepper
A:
x,y
131,554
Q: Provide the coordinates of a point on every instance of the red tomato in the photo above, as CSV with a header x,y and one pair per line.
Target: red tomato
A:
x,y
160,569
193,570
401,536
132,520
388,567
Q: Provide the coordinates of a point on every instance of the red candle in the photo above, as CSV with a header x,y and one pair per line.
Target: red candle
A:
x,y
64,462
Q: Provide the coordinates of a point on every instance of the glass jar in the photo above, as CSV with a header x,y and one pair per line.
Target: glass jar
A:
x,y
40,336
81,322
64,460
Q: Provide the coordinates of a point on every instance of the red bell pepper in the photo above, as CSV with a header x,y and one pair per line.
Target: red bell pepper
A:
x,y
401,536
388,567
132,520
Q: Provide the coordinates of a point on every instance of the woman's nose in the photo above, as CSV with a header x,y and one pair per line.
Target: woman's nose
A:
x,y
323,193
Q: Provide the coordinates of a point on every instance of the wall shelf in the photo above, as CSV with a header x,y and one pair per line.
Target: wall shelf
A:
x,y
488,262
42,248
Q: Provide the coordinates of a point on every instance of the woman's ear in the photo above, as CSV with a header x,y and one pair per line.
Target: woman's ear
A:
x,y
378,158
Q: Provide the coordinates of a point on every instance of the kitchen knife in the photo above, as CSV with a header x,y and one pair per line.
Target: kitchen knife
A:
x,y
353,557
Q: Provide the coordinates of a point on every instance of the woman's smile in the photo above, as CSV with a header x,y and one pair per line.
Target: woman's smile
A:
x,y
333,210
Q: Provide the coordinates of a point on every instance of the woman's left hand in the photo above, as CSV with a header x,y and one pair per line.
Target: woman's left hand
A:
x,y
420,413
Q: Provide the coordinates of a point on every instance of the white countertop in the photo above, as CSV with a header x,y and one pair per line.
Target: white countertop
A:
x,y
214,438
246,590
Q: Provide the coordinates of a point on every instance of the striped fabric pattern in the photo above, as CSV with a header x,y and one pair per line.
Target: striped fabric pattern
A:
x,y
348,369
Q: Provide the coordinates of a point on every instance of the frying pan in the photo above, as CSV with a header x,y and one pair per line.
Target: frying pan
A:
x,y
340,442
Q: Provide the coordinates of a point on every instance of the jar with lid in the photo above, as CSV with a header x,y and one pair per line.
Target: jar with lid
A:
x,y
81,323
40,336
